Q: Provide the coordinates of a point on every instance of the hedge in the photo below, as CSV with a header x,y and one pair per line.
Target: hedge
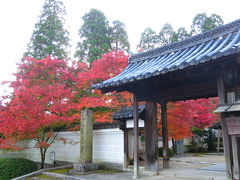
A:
x,y
160,151
15,167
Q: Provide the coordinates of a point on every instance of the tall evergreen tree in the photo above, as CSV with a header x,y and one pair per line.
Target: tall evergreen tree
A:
x,y
119,37
181,34
95,36
166,35
50,36
149,40
202,23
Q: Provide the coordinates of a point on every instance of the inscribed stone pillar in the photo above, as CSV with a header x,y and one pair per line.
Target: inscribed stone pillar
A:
x,y
86,137
86,145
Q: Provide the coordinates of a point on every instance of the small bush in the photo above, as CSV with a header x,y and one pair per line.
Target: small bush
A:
x,y
170,152
15,167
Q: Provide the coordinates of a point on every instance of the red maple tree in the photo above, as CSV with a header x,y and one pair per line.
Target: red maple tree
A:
x,y
184,115
41,103
48,95
103,104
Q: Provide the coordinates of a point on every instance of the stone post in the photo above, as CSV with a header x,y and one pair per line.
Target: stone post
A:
x,y
86,144
86,137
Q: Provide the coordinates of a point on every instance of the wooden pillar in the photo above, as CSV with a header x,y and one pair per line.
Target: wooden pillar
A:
x,y
151,138
164,134
226,137
136,143
126,157
236,160
218,140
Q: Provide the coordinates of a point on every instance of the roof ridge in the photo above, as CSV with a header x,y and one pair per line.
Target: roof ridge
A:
x,y
189,42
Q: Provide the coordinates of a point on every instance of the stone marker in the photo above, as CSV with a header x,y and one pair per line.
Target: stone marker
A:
x,y
86,144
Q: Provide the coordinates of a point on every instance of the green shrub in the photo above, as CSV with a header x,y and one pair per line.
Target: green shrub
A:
x,y
160,151
15,167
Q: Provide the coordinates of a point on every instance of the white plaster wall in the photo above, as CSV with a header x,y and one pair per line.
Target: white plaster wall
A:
x,y
130,144
130,123
63,152
108,147
160,143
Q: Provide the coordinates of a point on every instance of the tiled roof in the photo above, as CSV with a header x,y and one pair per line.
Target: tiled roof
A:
x,y
211,45
127,113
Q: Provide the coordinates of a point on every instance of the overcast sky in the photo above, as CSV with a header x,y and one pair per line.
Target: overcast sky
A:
x,y
17,18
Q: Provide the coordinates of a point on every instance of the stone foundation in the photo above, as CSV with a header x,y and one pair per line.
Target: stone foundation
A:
x,y
80,168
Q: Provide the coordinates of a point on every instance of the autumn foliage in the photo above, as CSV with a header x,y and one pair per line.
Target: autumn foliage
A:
x,y
184,115
104,105
48,95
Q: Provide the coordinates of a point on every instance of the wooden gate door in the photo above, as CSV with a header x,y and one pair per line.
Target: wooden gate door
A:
x,y
233,127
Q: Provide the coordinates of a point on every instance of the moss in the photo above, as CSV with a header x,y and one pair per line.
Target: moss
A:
x,y
199,154
66,171
41,177
61,171
108,171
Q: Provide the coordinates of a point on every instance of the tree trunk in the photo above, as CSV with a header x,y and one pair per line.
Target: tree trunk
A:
x,y
174,146
43,155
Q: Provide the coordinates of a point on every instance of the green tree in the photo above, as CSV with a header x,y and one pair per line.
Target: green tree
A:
x,y
202,23
50,36
119,37
149,40
181,34
94,35
166,35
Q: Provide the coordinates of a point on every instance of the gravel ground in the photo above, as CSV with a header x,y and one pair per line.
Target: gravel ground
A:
x,y
181,168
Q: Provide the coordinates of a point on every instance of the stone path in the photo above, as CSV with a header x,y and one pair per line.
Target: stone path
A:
x,y
206,167
217,167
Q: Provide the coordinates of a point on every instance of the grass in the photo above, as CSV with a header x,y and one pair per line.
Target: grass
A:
x,y
42,177
61,171
108,171
66,171
198,154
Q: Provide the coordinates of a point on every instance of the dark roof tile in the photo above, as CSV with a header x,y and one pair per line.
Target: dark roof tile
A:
x,y
127,113
219,42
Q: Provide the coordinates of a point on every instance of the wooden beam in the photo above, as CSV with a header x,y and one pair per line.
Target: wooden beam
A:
x,y
195,71
238,60
181,94
226,137
151,138
164,134
221,90
178,94
136,143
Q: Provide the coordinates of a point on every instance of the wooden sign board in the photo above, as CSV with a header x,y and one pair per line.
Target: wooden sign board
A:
x,y
233,125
